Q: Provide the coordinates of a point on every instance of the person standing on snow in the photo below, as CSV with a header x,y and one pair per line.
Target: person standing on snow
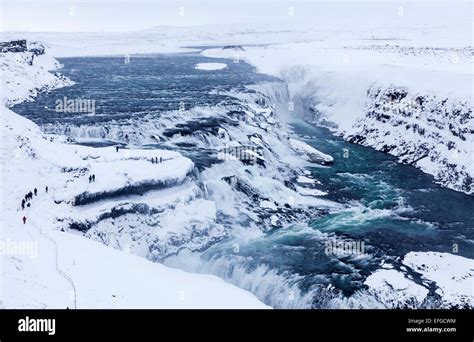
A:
x,y
46,189
24,219
36,192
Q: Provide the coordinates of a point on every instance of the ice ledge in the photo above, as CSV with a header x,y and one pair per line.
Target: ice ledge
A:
x,y
312,154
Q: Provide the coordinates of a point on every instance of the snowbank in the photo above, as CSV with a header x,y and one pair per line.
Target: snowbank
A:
x,y
313,154
394,290
20,83
450,274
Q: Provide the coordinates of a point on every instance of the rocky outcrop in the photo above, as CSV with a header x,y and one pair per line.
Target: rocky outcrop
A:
x,y
432,133
20,60
13,46
139,188
31,50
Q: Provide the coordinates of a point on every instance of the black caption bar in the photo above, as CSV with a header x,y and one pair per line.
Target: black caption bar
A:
x,y
61,325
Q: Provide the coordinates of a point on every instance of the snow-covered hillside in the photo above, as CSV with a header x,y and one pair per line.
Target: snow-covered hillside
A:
x,y
45,267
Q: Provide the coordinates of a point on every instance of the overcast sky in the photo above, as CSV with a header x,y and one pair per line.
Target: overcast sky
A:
x,y
110,15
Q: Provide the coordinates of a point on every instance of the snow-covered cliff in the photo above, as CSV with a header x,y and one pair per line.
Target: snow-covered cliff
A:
x,y
433,133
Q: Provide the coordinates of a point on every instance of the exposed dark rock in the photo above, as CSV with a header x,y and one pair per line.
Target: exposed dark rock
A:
x,y
432,125
13,46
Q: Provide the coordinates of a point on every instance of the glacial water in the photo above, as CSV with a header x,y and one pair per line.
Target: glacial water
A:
x,y
392,208
141,85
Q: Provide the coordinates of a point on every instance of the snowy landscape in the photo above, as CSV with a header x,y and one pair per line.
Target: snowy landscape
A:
x,y
322,160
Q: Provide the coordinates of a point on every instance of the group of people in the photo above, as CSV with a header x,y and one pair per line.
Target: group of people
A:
x,y
28,197
92,178
155,160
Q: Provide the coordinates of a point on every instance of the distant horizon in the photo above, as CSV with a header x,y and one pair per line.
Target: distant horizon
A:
x,y
53,16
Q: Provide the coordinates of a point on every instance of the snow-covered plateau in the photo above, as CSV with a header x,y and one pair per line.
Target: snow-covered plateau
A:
x,y
400,83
